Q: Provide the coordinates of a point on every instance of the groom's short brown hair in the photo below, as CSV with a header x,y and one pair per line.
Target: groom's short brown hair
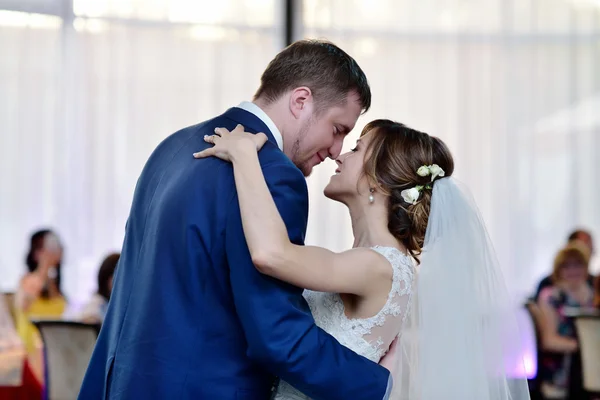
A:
x,y
327,70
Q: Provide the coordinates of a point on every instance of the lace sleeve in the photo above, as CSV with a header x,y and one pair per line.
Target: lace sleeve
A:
x,y
380,330
394,314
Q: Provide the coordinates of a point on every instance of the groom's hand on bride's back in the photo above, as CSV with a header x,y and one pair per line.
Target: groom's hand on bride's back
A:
x,y
388,361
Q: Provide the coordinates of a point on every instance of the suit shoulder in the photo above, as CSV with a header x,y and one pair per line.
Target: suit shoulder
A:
x,y
196,128
275,163
191,134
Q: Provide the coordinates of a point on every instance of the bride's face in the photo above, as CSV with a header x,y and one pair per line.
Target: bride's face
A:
x,y
349,180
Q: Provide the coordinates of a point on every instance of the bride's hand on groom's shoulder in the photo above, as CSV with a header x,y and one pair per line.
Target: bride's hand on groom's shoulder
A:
x,y
230,144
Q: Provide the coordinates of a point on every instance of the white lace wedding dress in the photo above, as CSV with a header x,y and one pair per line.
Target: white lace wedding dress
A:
x,y
369,337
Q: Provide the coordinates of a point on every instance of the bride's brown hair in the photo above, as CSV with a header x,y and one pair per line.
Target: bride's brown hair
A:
x,y
394,155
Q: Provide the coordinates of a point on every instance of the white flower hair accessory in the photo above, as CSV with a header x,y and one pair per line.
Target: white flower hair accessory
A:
x,y
433,170
411,196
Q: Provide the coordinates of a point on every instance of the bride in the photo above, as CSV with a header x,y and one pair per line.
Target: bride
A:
x,y
453,324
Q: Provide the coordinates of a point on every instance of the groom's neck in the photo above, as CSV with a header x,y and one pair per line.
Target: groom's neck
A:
x,y
278,111
273,111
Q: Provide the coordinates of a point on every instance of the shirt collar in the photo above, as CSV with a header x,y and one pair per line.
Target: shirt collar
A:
x,y
257,111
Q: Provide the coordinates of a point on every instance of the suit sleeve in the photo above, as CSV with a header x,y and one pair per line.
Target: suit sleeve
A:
x,y
280,331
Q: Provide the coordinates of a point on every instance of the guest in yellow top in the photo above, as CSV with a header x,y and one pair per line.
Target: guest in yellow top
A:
x,y
39,295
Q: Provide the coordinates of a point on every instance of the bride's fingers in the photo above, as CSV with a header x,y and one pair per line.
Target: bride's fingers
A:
x,y
210,138
221,131
261,138
238,129
205,153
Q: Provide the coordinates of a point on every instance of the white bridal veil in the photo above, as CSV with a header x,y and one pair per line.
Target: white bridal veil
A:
x,y
460,340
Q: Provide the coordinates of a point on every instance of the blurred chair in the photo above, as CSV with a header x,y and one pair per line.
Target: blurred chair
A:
x,y
68,348
588,334
536,318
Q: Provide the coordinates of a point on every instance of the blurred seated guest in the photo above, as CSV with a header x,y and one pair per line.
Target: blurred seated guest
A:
x,y
39,294
95,310
16,378
584,238
570,289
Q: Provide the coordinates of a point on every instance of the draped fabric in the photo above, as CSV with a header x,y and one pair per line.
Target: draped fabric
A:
x,y
90,87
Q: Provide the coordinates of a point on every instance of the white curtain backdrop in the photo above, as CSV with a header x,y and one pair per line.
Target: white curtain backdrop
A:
x,y
513,87
90,87
86,97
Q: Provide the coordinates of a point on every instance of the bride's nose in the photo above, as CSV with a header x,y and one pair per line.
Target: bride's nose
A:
x,y
341,158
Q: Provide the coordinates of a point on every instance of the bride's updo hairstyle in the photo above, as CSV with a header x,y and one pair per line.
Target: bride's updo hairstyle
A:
x,y
394,155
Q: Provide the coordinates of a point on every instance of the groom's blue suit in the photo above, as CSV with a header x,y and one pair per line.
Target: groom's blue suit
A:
x,y
190,317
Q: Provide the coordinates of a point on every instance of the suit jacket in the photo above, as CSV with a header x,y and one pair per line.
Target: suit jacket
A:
x,y
190,317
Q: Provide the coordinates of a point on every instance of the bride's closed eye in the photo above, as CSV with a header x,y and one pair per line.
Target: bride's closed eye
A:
x,y
355,149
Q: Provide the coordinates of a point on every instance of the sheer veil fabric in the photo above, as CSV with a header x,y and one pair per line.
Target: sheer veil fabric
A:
x,y
460,340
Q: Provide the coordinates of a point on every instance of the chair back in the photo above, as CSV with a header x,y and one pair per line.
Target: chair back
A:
x,y
68,347
536,319
588,334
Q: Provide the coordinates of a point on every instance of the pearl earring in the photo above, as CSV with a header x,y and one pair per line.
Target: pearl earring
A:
x,y
371,198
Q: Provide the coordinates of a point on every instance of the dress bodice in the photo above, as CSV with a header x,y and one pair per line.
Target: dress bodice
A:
x,y
369,337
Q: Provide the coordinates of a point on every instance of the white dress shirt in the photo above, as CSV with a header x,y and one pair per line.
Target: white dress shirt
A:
x,y
256,110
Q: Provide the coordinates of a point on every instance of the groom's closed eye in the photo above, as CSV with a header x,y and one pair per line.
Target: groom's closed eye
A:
x,y
341,130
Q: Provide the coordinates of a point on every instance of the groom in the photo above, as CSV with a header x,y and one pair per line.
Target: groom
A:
x,y
190,317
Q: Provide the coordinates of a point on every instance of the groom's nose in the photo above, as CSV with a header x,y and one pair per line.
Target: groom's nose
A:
x,y
336,149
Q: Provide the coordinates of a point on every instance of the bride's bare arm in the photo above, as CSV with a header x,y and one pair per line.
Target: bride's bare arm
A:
x,y
354,271
357,271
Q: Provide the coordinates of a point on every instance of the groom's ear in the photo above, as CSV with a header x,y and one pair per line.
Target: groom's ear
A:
x,y
301,102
